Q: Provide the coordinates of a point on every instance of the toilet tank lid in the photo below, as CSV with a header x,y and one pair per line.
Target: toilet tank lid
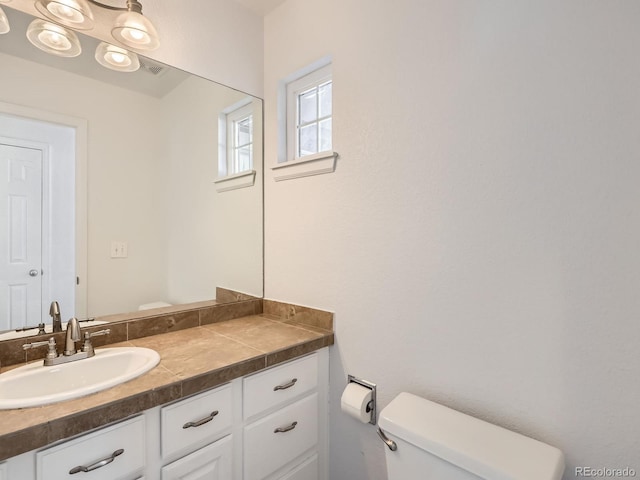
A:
x,y
484,449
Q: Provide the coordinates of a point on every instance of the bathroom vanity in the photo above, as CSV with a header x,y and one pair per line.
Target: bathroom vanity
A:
x,y
244,398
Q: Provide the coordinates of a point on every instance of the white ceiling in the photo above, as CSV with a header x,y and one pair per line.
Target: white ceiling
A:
x,y
261,7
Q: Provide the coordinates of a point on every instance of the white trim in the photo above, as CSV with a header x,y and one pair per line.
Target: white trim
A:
x,y
281,105
234,182
224,133
81,147
232,119
317,164
293,90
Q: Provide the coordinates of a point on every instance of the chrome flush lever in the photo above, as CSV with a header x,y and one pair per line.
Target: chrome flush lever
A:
x,y
393,446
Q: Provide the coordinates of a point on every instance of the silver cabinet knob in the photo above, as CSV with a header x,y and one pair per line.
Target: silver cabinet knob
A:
x,y
33,273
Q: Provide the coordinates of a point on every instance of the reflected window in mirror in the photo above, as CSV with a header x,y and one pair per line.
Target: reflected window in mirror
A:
x,y
240,140
235,133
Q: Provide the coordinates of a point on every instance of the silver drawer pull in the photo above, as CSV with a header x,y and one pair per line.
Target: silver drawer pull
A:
x,y
286,385
202,421
285,429
98,464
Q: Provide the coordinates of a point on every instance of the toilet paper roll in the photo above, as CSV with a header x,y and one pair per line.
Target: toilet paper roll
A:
x,y
355,399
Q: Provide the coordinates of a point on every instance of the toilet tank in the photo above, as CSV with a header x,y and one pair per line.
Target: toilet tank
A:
x,y
438,443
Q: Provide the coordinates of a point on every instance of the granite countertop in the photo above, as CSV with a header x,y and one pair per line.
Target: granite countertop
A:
x,y
192,360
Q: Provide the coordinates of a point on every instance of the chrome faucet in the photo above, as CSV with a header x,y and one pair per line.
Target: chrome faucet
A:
x,y
54,311
69,354
74,334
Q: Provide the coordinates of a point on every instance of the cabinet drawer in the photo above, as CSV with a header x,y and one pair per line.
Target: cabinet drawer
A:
x,y
277,386
212,462
124,443
307,470
267,448
194,422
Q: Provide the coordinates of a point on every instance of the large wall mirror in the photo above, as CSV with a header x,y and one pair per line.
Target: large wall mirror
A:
x,y
109,186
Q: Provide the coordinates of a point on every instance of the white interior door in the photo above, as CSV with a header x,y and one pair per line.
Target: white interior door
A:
x,y
21,248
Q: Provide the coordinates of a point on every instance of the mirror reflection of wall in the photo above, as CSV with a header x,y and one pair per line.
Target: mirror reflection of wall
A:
x,y
156,227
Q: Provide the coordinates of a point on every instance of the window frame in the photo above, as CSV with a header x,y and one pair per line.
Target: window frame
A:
x,y
289,166
232,147
293,91
228,178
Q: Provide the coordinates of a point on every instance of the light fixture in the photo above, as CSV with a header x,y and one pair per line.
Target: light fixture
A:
x,y
70,13
135,30
54,39
4,23
129,29
117,58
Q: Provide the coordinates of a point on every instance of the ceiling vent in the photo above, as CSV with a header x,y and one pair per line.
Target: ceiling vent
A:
x,y
155,69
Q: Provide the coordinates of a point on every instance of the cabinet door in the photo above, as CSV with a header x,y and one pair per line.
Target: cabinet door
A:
x,y
274,441
212,462
307,470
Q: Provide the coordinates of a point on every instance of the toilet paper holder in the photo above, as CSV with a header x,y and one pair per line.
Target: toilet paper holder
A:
x,y
371,406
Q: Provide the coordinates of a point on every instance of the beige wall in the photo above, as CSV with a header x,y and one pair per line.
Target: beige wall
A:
x,y
478,241
217,39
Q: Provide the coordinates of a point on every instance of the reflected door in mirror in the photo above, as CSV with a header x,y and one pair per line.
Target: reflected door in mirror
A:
x,y
20,249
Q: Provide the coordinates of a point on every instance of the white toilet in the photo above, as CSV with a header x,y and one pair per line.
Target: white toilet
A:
x,y
434,442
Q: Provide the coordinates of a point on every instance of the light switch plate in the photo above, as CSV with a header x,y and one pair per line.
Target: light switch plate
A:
x,y
119,249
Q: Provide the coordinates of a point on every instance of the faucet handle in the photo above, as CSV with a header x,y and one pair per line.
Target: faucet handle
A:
x,y
88,335
29,346
88,347
51,353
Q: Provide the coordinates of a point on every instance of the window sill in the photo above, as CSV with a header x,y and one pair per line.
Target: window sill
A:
x,y
233,182
317,164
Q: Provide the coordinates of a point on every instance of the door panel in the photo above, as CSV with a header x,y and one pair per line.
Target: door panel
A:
x,y
21,249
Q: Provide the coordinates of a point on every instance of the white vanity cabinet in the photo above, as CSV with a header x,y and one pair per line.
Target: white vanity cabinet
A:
x,y
285,430
271,425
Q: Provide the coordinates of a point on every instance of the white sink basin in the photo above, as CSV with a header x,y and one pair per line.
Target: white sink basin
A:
x,y
33,385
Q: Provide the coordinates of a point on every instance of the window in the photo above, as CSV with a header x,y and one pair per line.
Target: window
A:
x,y
235,146
309,114
240,140
305,127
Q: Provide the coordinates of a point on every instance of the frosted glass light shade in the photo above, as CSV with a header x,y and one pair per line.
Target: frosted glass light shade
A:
x,y
117,58
70,13
54,39
4,23
134,30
